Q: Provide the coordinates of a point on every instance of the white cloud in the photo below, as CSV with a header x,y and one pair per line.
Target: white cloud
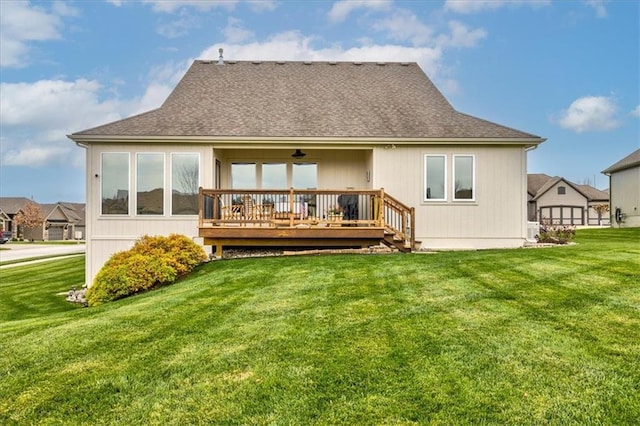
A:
x,y
636,111
293,46
403,25
598,7
262,5
341,9
473,6
22,23
170,6
590,113
37,116
461,36
234,32
179,27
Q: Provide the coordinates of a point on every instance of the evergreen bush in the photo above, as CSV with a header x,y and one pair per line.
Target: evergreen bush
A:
x,y
151,262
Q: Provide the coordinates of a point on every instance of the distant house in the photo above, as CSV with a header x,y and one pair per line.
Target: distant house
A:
x,y
62,221
9,208
560,201
305,154
624,189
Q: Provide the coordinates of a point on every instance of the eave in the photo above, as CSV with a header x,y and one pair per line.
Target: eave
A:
x,y
288,142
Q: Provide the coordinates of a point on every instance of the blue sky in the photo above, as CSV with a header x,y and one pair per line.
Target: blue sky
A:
x,y
565,70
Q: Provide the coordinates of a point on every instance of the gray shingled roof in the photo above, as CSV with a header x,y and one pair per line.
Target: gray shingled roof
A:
x,y
12,205
593,194
535,182
627,162
300,99
539,183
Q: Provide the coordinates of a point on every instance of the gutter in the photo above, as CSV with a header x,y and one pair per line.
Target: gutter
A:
x,y
244,141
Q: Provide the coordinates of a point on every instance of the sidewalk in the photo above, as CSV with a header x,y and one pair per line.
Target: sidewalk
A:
x,y
22,253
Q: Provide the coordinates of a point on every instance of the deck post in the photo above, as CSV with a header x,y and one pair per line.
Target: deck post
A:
x,y
200,207
291,204
380,218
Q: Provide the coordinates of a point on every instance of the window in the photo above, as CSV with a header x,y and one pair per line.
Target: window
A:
x,y
435,177
243,175
562,190
150,184
185,182
305,175
463,177
274,176
115,183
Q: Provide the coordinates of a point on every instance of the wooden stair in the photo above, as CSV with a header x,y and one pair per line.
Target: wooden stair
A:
x,y
393,240
399,224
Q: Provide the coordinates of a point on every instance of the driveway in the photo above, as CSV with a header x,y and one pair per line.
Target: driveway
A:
x,y
12,251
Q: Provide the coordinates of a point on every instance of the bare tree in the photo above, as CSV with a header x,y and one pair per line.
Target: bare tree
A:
x,y
601,209
30,217
188,179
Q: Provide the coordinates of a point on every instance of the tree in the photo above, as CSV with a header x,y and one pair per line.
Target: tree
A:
x,y
30,217
601,209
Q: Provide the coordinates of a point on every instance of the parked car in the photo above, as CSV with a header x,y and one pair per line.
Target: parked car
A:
x,y
5,237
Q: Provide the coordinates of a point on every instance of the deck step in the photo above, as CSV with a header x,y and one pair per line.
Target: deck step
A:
x,y
392,240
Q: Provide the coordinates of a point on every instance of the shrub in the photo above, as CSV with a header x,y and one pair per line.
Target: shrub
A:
x,y
555,234
151,262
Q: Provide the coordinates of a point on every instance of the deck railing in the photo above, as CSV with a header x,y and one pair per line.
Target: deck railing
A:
x,y
306,208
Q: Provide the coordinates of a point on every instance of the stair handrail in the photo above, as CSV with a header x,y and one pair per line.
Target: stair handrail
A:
x,y
408,217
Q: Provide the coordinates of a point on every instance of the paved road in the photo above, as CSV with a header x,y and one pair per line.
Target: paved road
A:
x,y
25,251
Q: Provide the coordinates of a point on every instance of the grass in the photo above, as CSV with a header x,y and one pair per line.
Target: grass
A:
x,y
532,336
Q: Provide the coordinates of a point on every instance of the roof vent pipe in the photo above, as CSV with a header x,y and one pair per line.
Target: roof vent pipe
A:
x,y
220,58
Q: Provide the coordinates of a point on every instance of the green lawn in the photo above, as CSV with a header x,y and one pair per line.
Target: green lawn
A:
x,y
530,336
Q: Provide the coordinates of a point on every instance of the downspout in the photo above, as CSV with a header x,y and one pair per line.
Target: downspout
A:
x,y
525,191
87,218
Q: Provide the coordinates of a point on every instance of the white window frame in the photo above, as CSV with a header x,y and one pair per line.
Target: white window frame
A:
x,y
129,203
164,183
426,183
169,172
473,178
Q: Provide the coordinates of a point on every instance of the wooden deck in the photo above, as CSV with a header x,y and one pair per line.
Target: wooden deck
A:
x,y
303,218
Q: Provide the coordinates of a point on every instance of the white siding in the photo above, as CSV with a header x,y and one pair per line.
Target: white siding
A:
x,y
497,216
625,194
105,234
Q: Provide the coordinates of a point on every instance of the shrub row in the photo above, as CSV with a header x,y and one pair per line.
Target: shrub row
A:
x,y
151,262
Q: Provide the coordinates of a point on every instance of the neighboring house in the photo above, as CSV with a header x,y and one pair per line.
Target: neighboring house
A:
x,y
296,153
5,222
624,190
9,208
559,201
62,221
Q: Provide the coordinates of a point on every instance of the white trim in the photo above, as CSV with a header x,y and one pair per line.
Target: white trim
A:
x,y
170,175
473,178
296,141
424,189
135,174
101,176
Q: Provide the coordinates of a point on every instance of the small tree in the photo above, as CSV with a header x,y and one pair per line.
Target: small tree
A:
x,y
29,218
601,209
